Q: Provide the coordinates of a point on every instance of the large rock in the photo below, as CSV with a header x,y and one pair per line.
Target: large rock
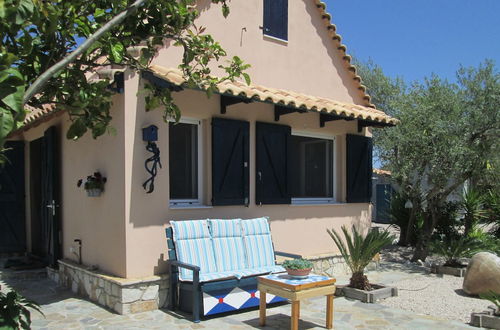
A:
x,y
483,274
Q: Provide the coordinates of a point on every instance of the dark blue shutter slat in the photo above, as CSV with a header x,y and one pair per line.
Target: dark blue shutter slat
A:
x,y
276,18
272,171
359,169
230,170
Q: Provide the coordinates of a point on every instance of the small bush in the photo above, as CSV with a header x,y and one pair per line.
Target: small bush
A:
x,y
297,264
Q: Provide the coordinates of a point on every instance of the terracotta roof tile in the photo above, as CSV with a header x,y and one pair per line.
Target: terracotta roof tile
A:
x,y
332,29
283,97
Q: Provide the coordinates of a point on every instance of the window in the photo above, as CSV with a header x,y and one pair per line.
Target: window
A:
x,y
184,156
311,169
276,19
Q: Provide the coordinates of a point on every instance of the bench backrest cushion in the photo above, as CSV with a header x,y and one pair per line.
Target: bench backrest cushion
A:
x,y
193,245
228,245
258,243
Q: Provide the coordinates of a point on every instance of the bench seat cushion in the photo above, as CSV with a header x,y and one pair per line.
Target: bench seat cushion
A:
x,y
258,243
207,277
194,246
228,244
259,271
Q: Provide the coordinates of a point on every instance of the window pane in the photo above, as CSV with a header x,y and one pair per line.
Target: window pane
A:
x,y
183,161
312,167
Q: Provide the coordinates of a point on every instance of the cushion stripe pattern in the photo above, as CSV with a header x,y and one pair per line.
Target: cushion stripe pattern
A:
x,y
258,243
225,228
194,246
228,244
190,229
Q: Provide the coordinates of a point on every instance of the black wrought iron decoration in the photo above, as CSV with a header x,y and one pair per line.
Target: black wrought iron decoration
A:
x,y
150,134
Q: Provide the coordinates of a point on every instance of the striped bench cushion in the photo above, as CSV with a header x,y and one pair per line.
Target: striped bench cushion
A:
x,y
228,244
193,246
258,243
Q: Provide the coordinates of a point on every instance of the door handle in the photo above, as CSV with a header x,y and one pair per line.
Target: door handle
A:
x,y
259,173
52,206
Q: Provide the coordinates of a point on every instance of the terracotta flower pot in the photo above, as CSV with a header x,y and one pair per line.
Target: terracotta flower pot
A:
x,y
298,272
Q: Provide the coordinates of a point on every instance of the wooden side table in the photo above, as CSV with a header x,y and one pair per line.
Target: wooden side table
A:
x,y
285,286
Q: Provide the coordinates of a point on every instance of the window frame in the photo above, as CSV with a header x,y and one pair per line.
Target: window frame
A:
x,y
319,200
196,202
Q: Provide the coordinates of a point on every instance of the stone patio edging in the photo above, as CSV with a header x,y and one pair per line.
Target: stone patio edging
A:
x,y
122,295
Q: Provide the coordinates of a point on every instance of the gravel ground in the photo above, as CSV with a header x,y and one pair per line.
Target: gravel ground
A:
x,y
436,296
429,294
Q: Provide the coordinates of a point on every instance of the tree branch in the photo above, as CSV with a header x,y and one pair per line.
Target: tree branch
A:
x,y
39,83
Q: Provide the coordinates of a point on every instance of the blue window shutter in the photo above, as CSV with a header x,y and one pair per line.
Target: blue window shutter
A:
x,y
276,18
272,159
230,162
359,169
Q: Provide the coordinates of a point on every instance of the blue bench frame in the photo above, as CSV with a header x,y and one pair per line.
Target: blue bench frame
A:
x,y
188,296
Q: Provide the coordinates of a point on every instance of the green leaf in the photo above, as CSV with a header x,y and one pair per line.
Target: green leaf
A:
x,y
247,78
12,96
117,51
2,9
6,122
76,130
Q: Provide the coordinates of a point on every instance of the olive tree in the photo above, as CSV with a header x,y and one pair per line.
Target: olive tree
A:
x,y
448,134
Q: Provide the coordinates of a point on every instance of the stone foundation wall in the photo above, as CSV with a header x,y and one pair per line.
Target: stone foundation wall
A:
x,y
124,296
328,265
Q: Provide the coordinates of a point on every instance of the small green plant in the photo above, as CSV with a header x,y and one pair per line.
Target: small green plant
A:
x,y
297,264
358,251
453,248
494,298
94,181
14,312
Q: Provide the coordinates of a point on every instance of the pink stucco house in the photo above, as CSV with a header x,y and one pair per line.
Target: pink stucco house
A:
x,y
294,146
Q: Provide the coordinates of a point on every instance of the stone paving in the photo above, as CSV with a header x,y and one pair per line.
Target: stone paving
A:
x,y
63,310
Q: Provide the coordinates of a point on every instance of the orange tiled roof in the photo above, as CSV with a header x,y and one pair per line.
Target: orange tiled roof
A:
x,y
332,30
283,97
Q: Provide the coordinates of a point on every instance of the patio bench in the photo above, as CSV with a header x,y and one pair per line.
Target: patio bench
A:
x,y
214,264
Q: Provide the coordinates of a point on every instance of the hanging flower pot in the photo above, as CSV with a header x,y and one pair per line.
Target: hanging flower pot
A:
x,y
94,192
94,184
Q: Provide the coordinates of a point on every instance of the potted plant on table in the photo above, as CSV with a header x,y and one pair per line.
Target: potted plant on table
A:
x,y
298,268
94,184
357,251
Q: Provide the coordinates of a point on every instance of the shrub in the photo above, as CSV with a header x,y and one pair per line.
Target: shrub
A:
x,y
297,264
14,312
494,298
453,249
358,251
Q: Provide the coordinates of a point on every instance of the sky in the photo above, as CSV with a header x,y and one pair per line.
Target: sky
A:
x,y
414,38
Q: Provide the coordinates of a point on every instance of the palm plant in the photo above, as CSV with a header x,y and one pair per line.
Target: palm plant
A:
x,y
494,298
453,248
472,206
358,251
14,312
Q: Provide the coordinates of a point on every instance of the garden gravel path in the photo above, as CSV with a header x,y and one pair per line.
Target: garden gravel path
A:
x,y
421,292
437,296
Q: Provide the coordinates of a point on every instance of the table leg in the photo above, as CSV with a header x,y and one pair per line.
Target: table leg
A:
x,y
262,308
329,311
295,314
